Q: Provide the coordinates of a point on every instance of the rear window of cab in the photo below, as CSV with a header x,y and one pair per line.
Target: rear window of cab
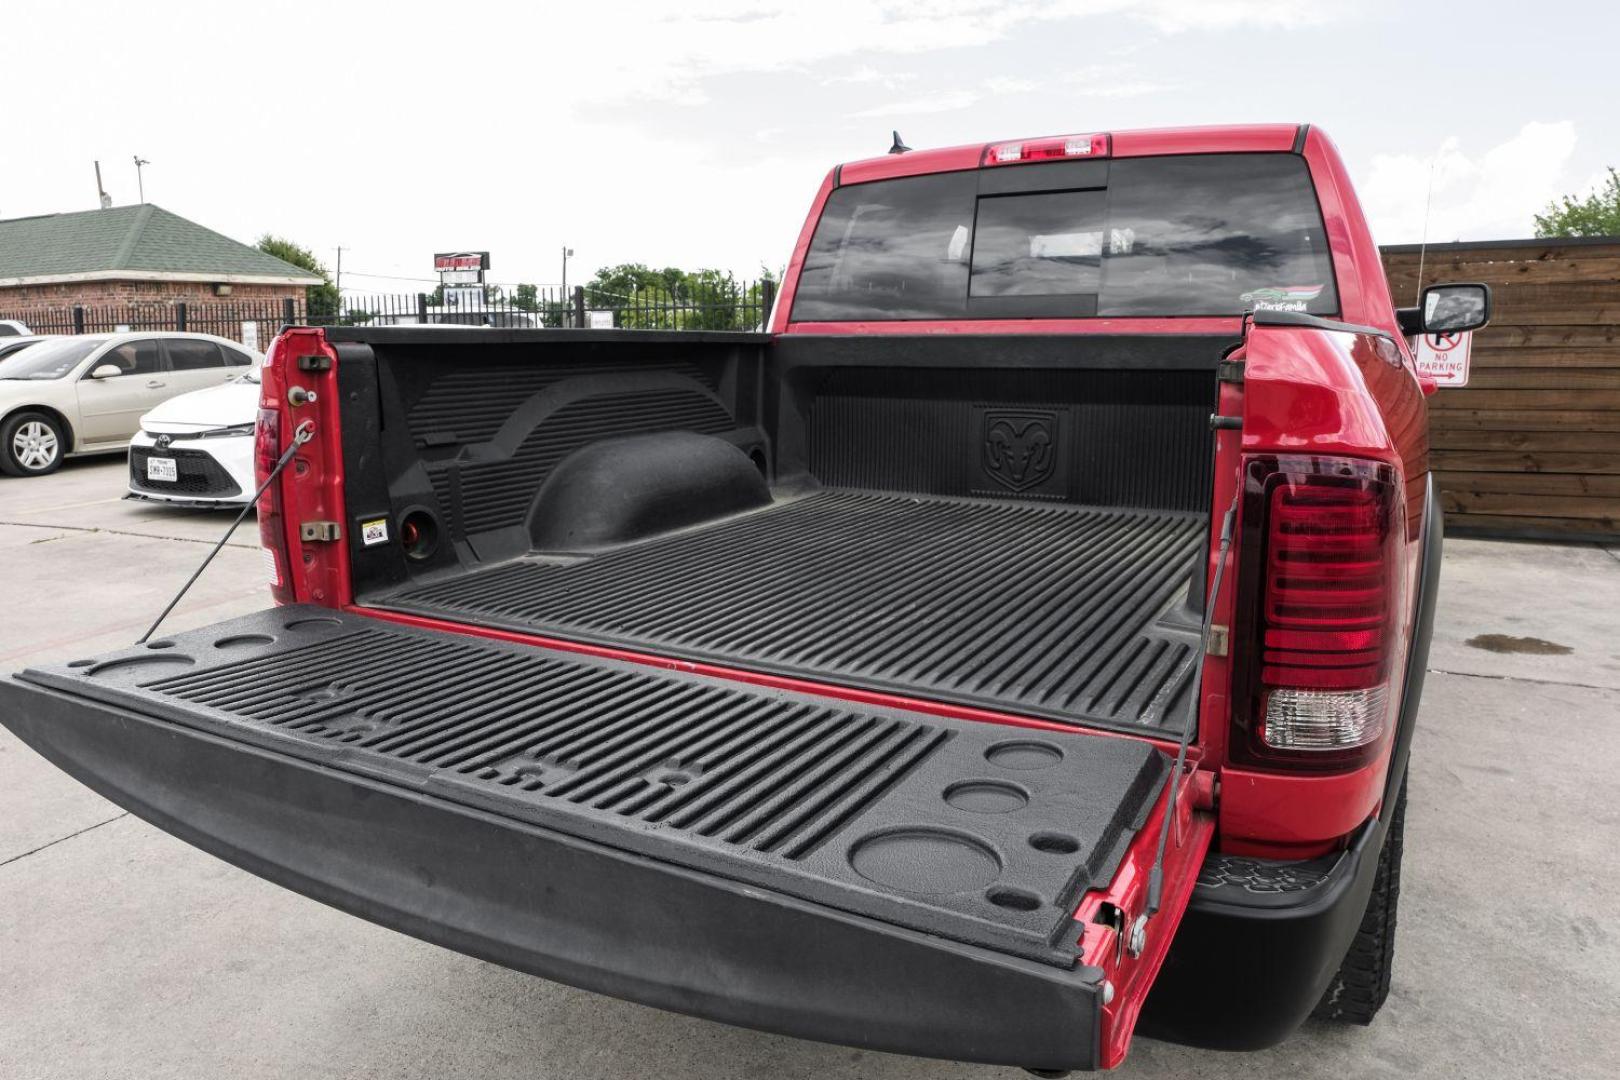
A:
x,y
1191,235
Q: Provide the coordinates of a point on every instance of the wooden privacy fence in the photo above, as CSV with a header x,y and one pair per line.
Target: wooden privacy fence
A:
x,y
1531,446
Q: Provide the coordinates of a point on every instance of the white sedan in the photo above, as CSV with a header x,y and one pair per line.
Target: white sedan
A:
x,y
197,449
65,396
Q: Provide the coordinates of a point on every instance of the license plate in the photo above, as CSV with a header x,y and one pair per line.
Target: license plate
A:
x,y
162,468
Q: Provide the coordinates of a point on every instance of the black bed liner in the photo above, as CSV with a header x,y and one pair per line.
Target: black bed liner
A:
x,y
977,833
1064,612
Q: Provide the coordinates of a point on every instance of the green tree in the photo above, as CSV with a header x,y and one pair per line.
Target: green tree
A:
x,y
526,297
643,298
321,301
1596,215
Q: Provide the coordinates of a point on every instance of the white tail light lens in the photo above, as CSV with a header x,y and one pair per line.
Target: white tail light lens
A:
x,y
1324,719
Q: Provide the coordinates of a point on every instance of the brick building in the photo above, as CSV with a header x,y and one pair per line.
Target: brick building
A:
x,y
142,256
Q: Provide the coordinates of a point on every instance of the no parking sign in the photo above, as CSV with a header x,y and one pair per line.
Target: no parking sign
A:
x,y
1444,358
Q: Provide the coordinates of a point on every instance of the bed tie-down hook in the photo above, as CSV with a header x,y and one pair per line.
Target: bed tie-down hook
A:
x,y
302,434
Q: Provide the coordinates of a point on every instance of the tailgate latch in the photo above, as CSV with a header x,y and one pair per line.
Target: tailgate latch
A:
x,y
319,530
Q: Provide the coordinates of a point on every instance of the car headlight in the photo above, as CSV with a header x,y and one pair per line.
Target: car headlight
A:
x,y
227,432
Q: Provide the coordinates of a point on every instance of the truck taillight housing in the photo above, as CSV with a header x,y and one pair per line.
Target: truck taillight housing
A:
x,y
1058,148
1320,621
272,536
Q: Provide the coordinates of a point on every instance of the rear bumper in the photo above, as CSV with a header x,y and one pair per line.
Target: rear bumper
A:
x,y
1259,945
565,908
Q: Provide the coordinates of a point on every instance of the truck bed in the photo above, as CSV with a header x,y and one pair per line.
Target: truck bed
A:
x,y
1067,612
1006,524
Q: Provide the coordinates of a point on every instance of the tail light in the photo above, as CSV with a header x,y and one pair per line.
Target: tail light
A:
x,y
1053,149
1320,544
272,536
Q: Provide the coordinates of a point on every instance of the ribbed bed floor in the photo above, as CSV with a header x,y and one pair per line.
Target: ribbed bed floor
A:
x,y
1050,610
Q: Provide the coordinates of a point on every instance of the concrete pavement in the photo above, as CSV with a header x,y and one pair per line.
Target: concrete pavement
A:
x,y
126,953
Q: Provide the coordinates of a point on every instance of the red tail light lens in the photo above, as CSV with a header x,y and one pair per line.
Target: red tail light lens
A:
x,y
272,536
1322,617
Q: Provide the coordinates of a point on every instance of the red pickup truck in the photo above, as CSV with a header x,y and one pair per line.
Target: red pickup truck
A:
x,y
1016,647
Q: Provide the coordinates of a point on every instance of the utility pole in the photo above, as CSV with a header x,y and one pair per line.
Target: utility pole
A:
x,y
340,270
567,251
140,184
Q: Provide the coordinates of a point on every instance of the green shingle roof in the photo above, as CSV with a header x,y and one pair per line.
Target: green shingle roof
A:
x,y
142,238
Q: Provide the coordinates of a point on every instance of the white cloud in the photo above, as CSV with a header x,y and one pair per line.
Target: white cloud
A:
x,y
945,101
1113,81
1491,196
1175,16
866,74
659,51
1007,84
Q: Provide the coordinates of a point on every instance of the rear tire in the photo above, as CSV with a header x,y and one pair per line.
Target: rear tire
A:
x,y
31,444
1361,985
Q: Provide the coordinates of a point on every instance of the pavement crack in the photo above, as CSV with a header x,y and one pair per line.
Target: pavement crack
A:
x,y
1523,679
63,839
120,532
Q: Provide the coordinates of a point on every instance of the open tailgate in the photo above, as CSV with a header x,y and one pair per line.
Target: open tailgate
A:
x,y
880,878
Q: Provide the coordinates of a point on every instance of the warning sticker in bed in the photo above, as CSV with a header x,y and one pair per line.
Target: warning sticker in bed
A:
x,y
374,532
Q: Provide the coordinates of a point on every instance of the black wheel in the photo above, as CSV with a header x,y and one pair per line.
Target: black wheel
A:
x,y
31,444
1361,984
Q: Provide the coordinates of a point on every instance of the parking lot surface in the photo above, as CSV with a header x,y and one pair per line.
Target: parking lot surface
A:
x,y
126,953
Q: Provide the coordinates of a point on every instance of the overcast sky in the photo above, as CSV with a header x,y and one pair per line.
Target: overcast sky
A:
x,y
695,133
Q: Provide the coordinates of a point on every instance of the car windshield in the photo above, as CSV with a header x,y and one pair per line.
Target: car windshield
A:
x,y
1203,234
48,359
16,345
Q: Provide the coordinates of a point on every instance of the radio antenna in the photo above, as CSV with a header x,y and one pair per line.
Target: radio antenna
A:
x,y
1423,248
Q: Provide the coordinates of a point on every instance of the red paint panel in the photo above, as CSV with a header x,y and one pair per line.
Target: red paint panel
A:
x,y
1294,809
1214,139
1191,833
312,484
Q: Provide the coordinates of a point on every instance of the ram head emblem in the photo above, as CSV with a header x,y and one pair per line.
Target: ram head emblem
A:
x,y
1020,450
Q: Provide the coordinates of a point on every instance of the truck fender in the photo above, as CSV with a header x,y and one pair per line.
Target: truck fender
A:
x,y
1417,657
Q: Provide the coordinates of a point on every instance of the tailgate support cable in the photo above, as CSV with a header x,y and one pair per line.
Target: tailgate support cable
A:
x,y
1155,888
304,433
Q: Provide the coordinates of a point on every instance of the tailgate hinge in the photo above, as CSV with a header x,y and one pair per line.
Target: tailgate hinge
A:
x,y
1230,371
319,530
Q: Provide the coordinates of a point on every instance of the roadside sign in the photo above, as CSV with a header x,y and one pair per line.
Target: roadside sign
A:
x,y
599,320
461,268
250,334
1444,358
461,260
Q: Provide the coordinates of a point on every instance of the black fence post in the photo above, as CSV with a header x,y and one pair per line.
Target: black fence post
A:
x,y
180,316
767,300
289,311
579,306
78,318
421,308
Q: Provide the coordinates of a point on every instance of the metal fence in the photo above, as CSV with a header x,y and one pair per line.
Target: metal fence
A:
x,y
720,304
